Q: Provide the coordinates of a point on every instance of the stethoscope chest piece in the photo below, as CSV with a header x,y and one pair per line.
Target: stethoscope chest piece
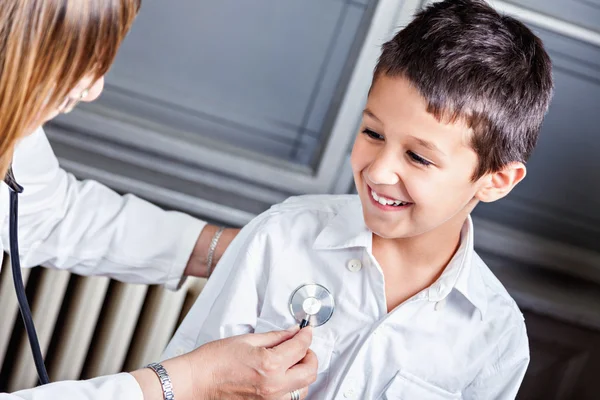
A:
x,y
312,302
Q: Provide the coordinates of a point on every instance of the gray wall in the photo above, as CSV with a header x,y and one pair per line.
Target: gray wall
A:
x,y
259,75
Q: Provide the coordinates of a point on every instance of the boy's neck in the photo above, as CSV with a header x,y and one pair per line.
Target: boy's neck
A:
x,y
428,253
411,265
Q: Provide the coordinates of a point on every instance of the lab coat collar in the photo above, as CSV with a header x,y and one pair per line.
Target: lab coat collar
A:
x,y
347,229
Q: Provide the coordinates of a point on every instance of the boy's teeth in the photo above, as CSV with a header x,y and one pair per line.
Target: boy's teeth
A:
x,y
385,202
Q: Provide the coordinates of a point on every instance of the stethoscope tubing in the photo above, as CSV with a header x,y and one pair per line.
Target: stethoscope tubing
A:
x,y
15,262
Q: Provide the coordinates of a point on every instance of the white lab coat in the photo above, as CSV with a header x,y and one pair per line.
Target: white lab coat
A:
x,y
88,229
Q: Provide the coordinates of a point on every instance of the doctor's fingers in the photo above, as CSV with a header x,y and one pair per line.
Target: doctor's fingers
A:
x,y
271,339
301,376
291,351
304,373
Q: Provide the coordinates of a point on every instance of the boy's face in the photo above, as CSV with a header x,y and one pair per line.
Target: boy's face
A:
x,y
421,169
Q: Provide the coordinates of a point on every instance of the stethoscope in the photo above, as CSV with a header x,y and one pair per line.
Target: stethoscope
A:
x,y
311,304
15,262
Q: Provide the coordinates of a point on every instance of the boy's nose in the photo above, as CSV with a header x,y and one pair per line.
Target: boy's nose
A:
x,y
382,173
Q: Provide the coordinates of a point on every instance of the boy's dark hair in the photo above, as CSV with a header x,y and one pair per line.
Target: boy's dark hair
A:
x,y
471,63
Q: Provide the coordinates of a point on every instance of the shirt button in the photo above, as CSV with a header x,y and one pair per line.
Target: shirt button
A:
x,y
180,351
349,393
354,265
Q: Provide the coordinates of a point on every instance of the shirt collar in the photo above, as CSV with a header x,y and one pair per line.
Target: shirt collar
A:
x,y
462,273
347,229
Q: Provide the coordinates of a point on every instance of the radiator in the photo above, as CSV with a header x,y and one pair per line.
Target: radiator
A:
x,y
87,326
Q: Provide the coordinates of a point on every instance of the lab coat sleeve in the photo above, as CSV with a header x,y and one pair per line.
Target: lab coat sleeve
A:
x,y
88,229
114,387
502,377
231,300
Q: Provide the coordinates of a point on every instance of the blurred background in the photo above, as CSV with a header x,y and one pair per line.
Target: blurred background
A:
x,y
222,108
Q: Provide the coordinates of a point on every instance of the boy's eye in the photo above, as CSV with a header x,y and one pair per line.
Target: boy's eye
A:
x,y
417,158
372,134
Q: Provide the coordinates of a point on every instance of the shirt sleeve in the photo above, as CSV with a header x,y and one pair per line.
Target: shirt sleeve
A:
x,y
115,387
501,379
230,302
88,229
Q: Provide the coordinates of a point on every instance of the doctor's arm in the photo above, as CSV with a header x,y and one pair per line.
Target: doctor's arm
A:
x,y
248,366
265,366
89,229
502,377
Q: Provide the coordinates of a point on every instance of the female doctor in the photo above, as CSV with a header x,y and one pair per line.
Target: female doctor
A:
x,y
53,54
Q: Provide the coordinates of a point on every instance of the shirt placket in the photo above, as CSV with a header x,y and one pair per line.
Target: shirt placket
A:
x,y
354,382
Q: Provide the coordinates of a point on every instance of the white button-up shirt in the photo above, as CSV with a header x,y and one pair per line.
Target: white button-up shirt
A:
x,y
461,338
129,239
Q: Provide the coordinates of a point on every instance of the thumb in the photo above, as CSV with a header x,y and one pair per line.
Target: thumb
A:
x,y
272,339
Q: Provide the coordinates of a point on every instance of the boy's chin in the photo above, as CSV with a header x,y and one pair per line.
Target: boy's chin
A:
x,y
386,236
384,233
396,235
398,230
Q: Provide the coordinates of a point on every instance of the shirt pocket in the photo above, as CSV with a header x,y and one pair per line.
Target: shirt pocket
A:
x,y
323,347
405,386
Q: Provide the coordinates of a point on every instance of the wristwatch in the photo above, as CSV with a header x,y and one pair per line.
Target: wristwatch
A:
x,y
165,381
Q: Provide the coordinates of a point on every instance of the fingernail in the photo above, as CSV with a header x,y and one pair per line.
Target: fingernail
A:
x,y
293,328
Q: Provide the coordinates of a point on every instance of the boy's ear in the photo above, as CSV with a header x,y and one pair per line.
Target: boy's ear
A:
x,y
498,184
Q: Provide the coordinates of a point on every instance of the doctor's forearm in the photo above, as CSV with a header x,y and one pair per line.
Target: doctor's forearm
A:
x,y
197,264
180,373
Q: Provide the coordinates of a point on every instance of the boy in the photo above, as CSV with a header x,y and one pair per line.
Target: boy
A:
x,y
453,113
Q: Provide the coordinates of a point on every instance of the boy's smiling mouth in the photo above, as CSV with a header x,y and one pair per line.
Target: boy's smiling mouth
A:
x,y
385,202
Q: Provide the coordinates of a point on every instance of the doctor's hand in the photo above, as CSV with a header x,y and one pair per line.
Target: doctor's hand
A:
x,y
262,366
257,366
